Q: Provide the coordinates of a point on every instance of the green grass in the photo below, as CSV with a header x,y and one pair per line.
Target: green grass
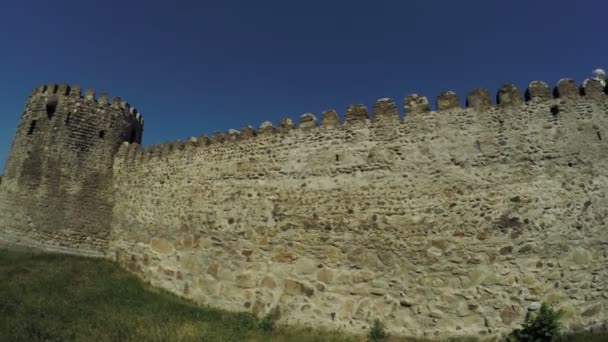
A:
x,y
49,297
45,297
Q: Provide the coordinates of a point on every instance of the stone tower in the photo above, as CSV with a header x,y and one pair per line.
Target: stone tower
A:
x,y
56,190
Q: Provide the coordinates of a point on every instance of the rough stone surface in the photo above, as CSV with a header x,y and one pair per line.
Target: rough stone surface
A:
x,y
566,88
385,110
439,225
447,100
356,114
416,104
330,119
57,189
479,99
538,91
509,96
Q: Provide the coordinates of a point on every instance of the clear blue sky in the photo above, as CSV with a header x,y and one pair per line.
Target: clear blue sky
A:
x,y
193,67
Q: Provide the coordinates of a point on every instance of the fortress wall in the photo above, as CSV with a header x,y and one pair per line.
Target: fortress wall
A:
x,y
443,223
57,189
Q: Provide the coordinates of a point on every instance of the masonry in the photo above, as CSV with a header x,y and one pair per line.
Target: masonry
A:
x,y
441,223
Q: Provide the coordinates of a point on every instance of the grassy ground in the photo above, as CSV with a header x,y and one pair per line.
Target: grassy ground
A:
x,y
64,298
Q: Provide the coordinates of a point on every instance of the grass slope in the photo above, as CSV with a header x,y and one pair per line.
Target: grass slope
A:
x,y
45,297
50,297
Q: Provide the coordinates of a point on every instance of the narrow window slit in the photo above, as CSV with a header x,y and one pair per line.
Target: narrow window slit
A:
x,y
67,119
132,135
102,134
32,127
555,111
51,108
599,136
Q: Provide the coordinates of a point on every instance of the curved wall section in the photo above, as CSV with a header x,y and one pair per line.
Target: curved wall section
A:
x,y
56,190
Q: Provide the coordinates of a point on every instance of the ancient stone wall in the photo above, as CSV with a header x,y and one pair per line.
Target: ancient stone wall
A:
x,y
56,192
442,223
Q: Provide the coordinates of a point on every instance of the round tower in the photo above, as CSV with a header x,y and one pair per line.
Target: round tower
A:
x,y
56,189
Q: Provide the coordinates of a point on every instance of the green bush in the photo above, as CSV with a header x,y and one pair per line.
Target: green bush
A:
x,y
544,326
377,333
266,324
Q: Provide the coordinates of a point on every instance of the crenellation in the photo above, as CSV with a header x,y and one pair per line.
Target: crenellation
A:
x,y
592,88
307,121
116,101
217,137
192,142
437,226
356,114
266,128
479,99
203,140
538,91
286,124
415,104
509,96
89,94
76,91
566,88
51,88
330,119
63,89
247,132
447,100
179,145
385,110
232,135
103,99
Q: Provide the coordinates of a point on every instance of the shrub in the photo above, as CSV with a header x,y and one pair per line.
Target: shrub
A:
x,y
266,324
541,327
377,332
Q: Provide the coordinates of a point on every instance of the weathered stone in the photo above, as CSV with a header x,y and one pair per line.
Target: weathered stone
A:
x,y
247,132
566,88
385,109
286,124
415,104
246,281
161,246
305,266
296,288
269,282
447,100
509,96
533,306
325,275
356,114
509,314
307,121
479,99
330,119
592,311
538,91
593,88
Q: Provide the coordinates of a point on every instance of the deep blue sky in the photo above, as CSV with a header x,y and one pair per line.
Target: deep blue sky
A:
x,y
193,67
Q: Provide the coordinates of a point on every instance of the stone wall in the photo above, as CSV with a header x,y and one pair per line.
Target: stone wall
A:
x,y
57,191
444,223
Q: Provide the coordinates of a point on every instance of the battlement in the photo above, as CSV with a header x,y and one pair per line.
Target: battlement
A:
x,y
384,111
75,92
